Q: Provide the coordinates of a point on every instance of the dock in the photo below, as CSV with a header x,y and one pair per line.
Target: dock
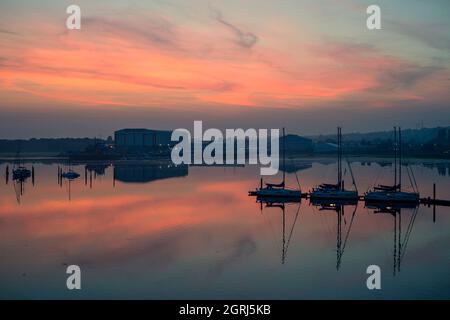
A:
x,y
435,202
429,201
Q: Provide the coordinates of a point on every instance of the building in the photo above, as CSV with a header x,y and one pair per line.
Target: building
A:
x,y
443,134
141,138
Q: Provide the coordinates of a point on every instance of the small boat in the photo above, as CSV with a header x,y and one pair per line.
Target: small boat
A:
x,y
21,173
70,175
336,191
272,190
394,193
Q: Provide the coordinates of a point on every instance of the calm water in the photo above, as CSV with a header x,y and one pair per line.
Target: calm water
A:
x,y
187,233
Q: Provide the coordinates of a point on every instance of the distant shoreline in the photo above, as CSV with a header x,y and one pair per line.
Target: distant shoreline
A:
x,y
39,157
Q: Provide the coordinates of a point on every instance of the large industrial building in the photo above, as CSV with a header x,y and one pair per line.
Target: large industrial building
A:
x,y
142,138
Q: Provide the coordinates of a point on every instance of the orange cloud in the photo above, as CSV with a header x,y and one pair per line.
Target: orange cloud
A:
x,y
159,64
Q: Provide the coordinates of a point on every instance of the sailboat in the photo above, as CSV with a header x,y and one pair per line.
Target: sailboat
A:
x,y
336,191
70,174
279,190
20,172
394,193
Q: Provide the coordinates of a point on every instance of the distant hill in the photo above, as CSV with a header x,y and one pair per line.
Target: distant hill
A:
x,y
425,142
57,145
417,136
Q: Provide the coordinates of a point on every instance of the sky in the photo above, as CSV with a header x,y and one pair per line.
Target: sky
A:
x,y
308,66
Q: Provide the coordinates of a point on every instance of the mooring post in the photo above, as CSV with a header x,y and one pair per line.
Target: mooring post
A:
x,y
434,202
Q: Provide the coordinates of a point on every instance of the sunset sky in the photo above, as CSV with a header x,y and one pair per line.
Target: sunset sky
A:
x,y
306,65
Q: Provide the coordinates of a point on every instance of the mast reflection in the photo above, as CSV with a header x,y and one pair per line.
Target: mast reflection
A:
x,y
400,244
281,203
338,206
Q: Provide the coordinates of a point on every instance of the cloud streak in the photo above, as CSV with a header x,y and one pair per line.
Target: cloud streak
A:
x,y
154,31
244,39
201,58
433,35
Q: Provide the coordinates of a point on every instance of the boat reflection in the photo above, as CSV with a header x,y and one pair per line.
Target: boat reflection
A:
x,y
94,171
145,173
281,203
97,169
400,244
338,206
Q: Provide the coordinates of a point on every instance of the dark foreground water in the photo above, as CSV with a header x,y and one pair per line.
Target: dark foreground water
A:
x,y
149,231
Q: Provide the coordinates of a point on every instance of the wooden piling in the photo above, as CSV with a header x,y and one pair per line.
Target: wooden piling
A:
x,y
434,202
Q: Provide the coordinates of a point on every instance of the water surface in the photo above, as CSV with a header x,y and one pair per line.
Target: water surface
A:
x,y
158,232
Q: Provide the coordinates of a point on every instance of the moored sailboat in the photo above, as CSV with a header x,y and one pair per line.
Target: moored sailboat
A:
x,y
394,193
21,173
70,174
336,191
272,190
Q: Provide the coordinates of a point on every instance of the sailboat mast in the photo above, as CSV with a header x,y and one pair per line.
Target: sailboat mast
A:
x,y
339,165
284,157
395,157
339,158
400,159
